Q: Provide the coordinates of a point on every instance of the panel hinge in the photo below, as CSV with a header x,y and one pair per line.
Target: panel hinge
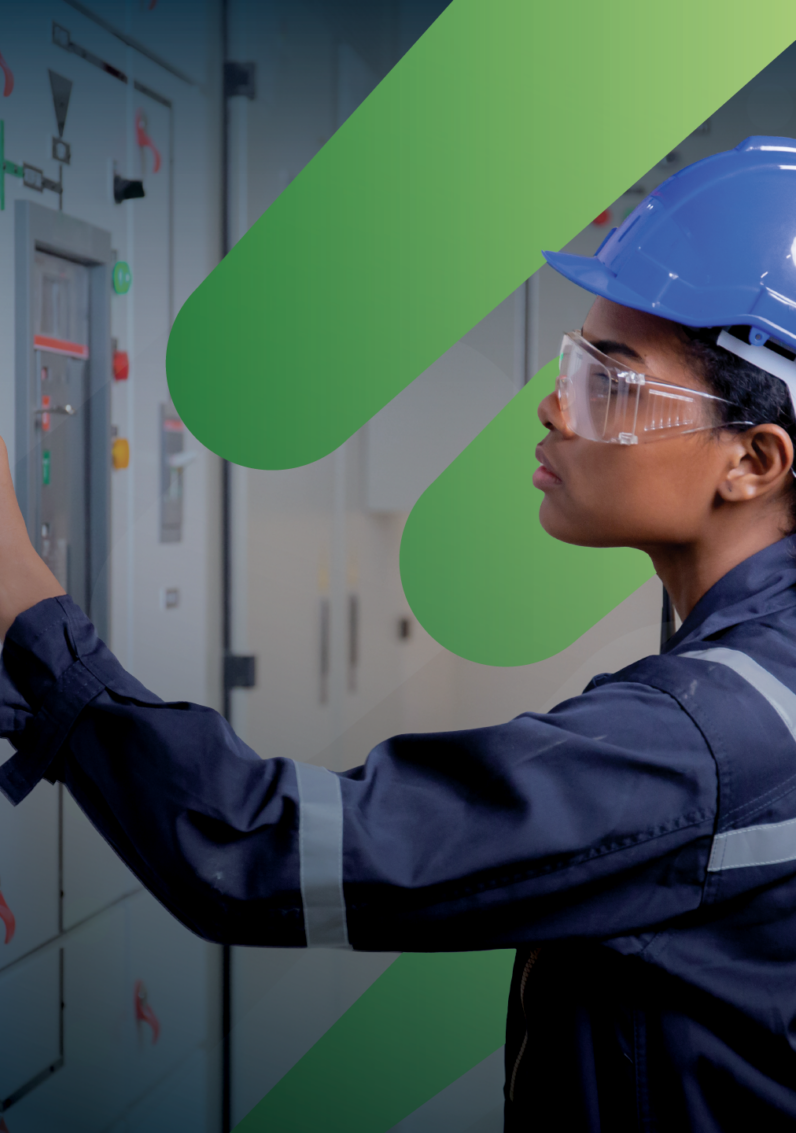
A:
x,y
239,671
240,80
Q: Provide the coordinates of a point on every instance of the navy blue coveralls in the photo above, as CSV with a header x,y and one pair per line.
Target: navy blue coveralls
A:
x,y
637,845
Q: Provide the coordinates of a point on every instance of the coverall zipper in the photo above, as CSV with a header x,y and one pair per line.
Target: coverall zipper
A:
x,y
526,972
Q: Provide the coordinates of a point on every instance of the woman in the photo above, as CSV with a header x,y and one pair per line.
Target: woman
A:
x,y
638,843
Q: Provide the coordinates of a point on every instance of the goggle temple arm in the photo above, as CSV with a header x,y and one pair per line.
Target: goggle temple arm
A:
x,y
764,359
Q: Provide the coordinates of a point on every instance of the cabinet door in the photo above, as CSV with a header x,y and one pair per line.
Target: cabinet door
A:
x,y
166,987
30,1035
93,876
185,1100
28,869
92,1089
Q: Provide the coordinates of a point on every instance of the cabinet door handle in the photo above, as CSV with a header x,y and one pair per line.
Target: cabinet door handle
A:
x,y
8,919
67,409
143,1012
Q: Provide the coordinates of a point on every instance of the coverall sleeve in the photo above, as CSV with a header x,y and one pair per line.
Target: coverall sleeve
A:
x,y
593,820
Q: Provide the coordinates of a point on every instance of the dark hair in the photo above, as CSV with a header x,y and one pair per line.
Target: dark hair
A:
x,y
761,396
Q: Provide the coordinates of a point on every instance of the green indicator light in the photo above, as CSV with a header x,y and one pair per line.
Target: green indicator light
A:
x,y
45,467
122,277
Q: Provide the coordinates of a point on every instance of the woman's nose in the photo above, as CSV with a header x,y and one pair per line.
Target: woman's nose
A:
x,y
550,415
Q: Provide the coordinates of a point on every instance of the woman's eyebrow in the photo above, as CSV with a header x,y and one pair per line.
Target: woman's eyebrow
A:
x,y
608,346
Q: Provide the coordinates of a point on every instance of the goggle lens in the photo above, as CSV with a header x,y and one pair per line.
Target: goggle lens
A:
x,y
603,401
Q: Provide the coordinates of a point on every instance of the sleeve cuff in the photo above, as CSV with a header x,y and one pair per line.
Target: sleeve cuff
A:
x,y
53,664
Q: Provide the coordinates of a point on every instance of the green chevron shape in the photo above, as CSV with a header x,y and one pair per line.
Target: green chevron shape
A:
x,y
479,571
426,1021
504,130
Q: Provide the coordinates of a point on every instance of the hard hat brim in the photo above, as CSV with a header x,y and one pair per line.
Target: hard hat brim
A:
x,y
591,274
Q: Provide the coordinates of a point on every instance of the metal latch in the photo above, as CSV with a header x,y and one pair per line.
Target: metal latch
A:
x,y
66,409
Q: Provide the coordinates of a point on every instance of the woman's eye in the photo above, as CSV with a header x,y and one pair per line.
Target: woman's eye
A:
x,y
599,386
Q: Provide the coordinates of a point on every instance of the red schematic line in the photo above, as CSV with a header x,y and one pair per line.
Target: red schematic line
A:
x,y
144,140
8,919
8,86
143,1012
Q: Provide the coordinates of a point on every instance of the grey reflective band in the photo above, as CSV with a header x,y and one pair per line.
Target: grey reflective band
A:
x,y
778,695
321,856
775,841
754,845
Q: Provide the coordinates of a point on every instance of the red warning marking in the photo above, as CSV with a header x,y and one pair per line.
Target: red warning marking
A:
x,y
9,920
8,86
144,140
143,1012
60,346
3,1127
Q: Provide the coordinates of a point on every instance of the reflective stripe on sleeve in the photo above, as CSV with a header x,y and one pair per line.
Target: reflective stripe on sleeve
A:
x,y
754,845
321,856
775,841
781,699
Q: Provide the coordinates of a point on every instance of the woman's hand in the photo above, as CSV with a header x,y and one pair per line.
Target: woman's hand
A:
x,y
24,577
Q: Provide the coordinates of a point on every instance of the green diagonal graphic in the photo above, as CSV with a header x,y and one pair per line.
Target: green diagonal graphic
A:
x,y
419,1027
504,130
478,570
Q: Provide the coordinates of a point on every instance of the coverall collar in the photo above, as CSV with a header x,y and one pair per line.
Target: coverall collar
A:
x,y
762,584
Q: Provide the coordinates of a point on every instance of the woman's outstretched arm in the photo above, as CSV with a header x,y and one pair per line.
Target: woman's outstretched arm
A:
x,y
570,823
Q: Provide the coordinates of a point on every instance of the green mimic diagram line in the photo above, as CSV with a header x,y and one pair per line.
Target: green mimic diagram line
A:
x,y
6,166
426,1021
30,175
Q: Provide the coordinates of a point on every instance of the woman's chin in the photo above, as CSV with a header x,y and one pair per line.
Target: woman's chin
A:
x,y
568,530
555,524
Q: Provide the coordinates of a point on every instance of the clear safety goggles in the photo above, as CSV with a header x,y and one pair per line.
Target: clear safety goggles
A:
x,y
604,401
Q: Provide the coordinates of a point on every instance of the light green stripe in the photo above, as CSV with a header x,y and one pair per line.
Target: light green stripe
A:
x,y
419,1027
504,130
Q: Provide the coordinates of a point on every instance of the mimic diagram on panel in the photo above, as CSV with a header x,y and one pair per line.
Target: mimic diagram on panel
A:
x,y
33,177
123,188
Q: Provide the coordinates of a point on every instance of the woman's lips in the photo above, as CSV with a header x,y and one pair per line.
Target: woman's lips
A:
x,y
544,477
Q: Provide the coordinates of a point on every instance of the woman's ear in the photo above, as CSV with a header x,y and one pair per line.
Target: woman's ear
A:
x,y
760,459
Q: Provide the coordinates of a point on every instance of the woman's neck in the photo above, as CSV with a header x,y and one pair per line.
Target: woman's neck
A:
x,y
689,570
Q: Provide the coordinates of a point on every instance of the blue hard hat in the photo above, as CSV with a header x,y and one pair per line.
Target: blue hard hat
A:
x,y
713,245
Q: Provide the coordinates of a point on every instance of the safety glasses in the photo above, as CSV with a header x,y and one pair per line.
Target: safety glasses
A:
x,y
603,401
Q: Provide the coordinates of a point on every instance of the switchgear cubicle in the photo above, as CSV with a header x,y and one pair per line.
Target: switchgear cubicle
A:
x,y
109,1007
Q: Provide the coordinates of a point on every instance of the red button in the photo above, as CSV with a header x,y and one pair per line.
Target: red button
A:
x,y
121,365
603,218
